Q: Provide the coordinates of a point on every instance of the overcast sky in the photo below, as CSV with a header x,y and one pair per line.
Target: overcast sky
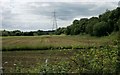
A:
x,y
29,15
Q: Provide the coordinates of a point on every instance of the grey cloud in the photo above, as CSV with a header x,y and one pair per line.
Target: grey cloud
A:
x,y
68,11
64,12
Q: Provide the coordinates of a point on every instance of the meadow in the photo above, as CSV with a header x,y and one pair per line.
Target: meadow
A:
x,y
54,42
59,54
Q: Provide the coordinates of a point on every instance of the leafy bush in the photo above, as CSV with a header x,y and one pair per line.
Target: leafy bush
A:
x,y
101,60
100,29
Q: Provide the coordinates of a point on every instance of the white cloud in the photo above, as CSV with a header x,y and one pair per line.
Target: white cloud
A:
x,y
45,5
34,5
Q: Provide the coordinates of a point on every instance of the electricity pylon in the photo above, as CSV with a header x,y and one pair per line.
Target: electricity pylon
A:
x,y
54,27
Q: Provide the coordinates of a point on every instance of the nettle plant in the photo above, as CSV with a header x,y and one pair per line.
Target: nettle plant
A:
x,y
61,67
92,60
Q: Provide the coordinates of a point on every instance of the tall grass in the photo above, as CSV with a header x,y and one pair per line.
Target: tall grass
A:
x,y
53,42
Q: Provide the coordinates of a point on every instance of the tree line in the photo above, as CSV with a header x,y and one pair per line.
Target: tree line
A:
x,y
20,33
102,25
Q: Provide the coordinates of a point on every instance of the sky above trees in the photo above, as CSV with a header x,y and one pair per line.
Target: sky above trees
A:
x,y
28,15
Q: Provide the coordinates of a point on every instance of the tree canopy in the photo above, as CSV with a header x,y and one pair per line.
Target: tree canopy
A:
x,y
103,25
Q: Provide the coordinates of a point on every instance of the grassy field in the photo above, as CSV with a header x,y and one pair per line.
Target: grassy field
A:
x,y
63,54
53,42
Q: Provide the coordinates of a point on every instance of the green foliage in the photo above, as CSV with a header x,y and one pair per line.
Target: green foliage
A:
x,y
60,31
20,33
61,67
5,33
115,14
105,16
100,29
118,25
88,26
17,68
68,31
77,27
118,54
83,23
101,60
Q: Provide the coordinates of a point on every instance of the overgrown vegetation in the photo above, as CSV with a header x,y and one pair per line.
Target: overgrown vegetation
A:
x,y
118,54
86,55
100,61
55,42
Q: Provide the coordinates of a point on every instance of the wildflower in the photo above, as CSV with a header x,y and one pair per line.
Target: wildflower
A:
x,y
6,62
46,60
14,64
1,68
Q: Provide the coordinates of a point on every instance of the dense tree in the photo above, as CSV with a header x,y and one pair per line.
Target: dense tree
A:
x,y
68,30
115,15
90,24
100,29
103,25
83,23
5,33
60,31
105,16
118,25
77,27
30,33
17,33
